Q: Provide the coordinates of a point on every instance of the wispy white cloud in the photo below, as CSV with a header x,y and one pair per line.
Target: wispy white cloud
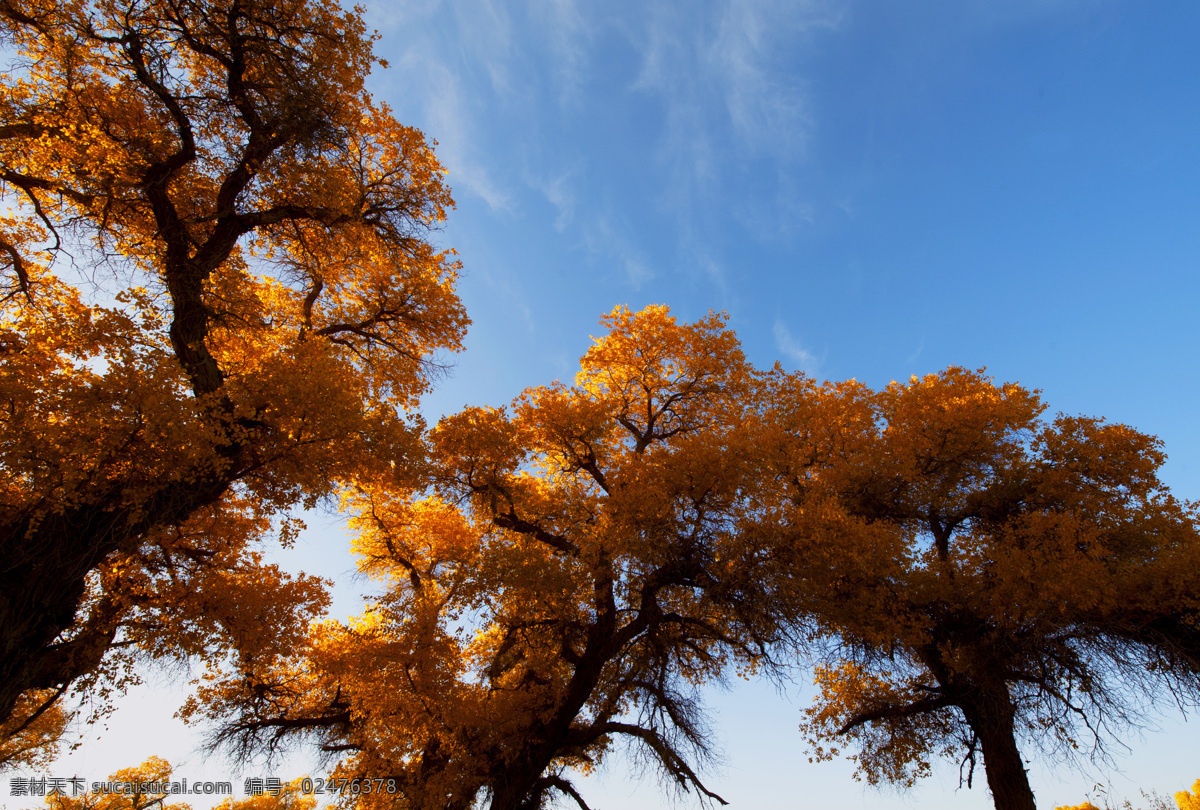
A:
x,y
737,66
515,301
767,106
912,358
461,59
714,270
568,34
387,17
793,349
484,32
723,76
448,119
473,68
610,240
560,191
731,94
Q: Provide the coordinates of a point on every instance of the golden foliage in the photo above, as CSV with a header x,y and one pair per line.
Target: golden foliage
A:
x,y
30,737
898,750
581,565
984,572
266,305
1189,801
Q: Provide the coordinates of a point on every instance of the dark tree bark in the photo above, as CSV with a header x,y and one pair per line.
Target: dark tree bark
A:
x,y
991,716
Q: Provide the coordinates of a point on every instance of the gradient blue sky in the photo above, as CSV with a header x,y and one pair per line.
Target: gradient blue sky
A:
x,y
868,189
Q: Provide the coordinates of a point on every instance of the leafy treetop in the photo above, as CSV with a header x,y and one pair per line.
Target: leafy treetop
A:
x,y
580,566
985,575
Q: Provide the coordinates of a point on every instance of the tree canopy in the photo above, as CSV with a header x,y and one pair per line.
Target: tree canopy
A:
x,y
580,565
976,575
986,576
217,295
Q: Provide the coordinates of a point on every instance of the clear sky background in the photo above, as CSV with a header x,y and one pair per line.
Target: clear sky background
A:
x,y
868,189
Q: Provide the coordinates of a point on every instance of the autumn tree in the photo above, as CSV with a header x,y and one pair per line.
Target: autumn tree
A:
x,y
989,577
580,566
217,296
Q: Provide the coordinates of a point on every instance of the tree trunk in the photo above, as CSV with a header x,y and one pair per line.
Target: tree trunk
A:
x,y
990,713
43,583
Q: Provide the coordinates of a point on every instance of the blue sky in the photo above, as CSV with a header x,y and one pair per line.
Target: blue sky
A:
x,y
869,190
